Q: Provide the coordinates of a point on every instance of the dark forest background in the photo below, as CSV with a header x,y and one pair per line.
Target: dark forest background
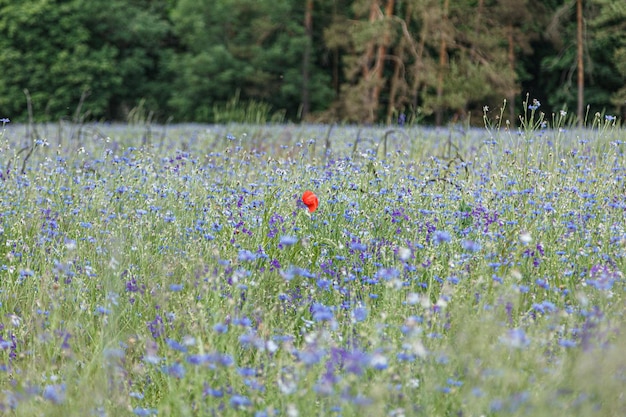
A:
x,y
359,61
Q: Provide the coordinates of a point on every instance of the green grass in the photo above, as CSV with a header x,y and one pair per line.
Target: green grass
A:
x,y
460,273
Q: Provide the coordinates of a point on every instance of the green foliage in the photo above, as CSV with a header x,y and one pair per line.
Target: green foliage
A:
x,y
44,47
609,28
139,34
365,61
59,49
251,112
252,48
603,38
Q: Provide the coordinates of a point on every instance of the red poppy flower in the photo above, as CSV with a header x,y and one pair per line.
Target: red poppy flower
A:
x,y
310,200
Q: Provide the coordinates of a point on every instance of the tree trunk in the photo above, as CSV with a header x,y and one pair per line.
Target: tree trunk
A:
x,y
369,102
418,66
511,59
443,61
380,60
335,59
477,26
399,73
396,79
306,59
579,53
369,51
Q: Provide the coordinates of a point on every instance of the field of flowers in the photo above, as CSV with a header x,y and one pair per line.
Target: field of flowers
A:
x,y
178,272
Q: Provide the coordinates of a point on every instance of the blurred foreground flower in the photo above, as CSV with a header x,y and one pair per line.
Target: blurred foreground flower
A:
x,y
54,393
515,338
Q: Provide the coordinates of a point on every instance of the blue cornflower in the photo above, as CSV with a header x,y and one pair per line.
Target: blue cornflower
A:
x,y
102,310
200,359
226,360
601,277
173,344
496,405
353,362
454,382
287,241
221,328
54,393
321,312
249,340
113,354
246,371
246,255
441,236
379,361
239,401
544,307
359,314
213,392
357,246
311,356
515,338
144,412
567,343
470,245
243,321
387,274
176,370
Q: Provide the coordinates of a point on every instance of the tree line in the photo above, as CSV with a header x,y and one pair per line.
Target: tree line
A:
x,y
359,61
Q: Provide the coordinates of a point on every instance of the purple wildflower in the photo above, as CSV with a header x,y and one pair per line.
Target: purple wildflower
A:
x,y
156,326
401,119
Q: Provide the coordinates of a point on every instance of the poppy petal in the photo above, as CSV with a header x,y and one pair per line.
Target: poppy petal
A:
x,y
310,200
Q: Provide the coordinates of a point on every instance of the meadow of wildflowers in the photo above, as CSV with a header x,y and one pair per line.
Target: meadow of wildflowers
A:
x,y
440,273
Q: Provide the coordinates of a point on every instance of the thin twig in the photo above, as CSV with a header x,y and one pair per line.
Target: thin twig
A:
x,y
447,180
356,142
327,142
389,132
78,119
33,133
